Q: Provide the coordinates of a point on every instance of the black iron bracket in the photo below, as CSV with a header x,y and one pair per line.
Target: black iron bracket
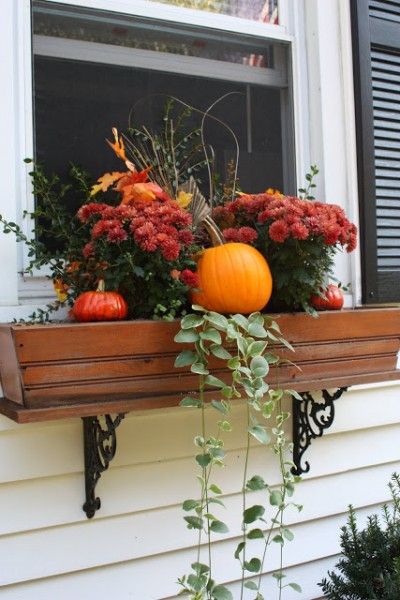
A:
x,y
310,419
100,445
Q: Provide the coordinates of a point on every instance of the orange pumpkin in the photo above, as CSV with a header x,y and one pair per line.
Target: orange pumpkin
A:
x,y
100,306
234,278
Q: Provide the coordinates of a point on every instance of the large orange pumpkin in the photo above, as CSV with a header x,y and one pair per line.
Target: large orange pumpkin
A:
x,y
234,278
100,306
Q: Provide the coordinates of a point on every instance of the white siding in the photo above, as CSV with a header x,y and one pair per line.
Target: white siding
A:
x,y
138,545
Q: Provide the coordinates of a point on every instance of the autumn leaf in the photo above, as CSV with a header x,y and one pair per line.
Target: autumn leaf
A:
x,y
184,199
106,181
118,146
60,289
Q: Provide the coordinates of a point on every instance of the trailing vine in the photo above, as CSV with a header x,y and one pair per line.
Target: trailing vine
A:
x,y
243,347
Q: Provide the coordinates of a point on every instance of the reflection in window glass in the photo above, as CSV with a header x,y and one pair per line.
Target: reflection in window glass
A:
x,y
265,11
118,30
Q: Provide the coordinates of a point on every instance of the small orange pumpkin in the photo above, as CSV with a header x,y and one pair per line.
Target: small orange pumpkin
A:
x,y
100,306
234,278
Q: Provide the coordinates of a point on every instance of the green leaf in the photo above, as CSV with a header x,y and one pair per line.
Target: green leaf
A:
x,y
203,460
279,576
216,501
296,587
260,434
220,405
190,504
214,381
259,366
194,522
256,483
220,352
253,513
239,549
215,489
200,568
257,330
255,534
275,498
288,534
189,402
217,453
185,358
278,539
251,585
268,408
240,320
197,582
225,425
219,527
187,336
219,321
220,592
256,348
294,394
233,363
212,335
253,565
198,308
190,321
199,368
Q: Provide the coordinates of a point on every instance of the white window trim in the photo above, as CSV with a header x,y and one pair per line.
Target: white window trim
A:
x,y
298,22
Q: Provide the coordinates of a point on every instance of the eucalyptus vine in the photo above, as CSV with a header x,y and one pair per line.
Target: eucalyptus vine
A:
x,y
246,347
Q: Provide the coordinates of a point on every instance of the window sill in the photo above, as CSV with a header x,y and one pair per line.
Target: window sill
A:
x,y
76,370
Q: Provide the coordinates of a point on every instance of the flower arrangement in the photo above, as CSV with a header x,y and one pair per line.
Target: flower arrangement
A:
x,y
143,231
130,232
299,238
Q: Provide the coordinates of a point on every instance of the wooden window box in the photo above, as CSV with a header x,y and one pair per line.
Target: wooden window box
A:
x,y
77,370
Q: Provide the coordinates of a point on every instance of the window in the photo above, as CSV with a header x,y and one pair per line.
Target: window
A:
x,y
376,35
265,11
91,67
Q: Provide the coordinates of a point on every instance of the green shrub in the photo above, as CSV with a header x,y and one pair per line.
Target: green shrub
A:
x,y
370,565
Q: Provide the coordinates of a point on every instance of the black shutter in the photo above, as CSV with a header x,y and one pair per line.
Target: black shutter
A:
x,y
376,51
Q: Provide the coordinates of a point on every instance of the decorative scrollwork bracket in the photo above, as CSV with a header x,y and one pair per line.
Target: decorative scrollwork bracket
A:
x,y
310,419
100,445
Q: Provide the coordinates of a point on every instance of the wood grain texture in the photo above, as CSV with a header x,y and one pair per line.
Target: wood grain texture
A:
x,y
66,370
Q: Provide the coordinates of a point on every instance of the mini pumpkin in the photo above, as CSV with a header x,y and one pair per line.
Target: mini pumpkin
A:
x,y
234,278
100,305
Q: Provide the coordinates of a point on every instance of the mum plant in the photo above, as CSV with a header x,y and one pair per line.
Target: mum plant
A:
x,y
298,236
132,230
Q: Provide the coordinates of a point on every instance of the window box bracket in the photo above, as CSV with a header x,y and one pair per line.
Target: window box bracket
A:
x,y
311,418
100,445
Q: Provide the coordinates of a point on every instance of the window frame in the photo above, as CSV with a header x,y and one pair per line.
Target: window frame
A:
x,y
23,292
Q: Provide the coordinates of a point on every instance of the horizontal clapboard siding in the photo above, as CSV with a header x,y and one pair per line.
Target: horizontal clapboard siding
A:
x,y
137,545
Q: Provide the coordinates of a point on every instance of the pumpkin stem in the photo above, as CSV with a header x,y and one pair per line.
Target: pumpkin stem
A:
x,y
101,286
216,235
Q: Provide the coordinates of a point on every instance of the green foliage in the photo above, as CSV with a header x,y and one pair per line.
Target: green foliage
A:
x,y
370,564
174,155
305,192
250,342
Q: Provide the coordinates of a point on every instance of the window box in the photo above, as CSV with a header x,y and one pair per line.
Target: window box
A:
x,y
76,370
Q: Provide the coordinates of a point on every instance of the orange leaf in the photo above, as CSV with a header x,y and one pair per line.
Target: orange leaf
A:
x,y
105,181
118,146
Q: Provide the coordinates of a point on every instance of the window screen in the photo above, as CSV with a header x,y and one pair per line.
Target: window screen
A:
x,y
91,68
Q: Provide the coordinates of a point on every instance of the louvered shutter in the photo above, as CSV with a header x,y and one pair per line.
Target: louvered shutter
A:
x,y
376,44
